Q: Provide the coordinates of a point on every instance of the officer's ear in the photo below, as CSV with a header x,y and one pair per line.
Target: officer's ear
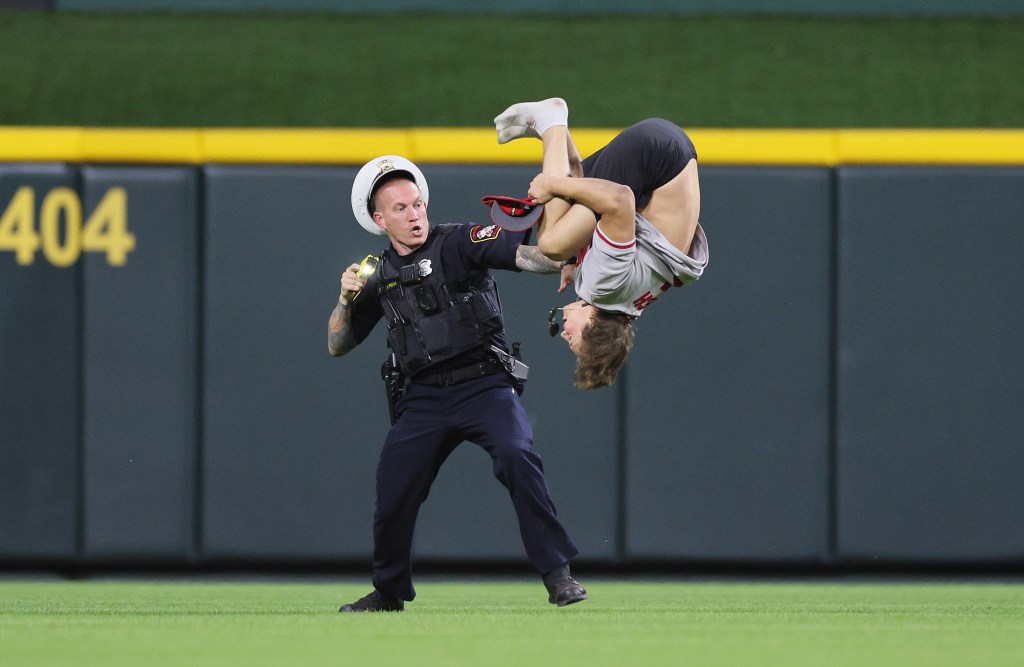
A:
x,y
379,219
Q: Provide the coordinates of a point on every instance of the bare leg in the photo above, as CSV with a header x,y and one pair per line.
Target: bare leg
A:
x,y
556,163
548,120
575,159
675,208
565,226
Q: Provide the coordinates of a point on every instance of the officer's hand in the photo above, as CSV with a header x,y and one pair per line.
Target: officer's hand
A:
x,y
568,277
351,284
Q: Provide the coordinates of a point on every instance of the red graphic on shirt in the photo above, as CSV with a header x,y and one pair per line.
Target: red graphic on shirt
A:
x,y
645,300
676,282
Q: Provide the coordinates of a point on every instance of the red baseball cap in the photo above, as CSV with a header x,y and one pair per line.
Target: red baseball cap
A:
x,y
515,215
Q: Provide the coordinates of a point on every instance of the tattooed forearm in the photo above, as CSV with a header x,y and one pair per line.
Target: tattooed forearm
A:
x,y
530,258
339,331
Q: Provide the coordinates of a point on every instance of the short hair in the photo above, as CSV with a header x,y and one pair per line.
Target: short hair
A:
x,y
605,345
387,178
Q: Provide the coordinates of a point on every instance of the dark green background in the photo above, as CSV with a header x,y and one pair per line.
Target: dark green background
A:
x,y
840,390
332,70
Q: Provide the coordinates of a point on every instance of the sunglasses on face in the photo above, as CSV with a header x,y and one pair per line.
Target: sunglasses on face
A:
x,y
553,322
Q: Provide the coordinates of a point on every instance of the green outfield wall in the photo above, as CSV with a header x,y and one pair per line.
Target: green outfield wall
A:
x,y
840,390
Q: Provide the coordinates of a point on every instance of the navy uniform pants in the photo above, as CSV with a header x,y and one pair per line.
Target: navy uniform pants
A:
x,y
433,422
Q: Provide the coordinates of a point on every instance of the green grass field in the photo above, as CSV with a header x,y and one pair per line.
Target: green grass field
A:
x,y
508,622
413,70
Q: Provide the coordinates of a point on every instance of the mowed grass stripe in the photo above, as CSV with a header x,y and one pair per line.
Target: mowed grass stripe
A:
x,y
510,623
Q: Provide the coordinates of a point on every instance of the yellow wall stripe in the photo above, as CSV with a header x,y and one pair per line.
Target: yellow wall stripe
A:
x,y
343,146
785,147
136,145
478,145
976,147
36,144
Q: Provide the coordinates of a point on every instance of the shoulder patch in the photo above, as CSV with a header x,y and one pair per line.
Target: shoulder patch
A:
x,y
480,233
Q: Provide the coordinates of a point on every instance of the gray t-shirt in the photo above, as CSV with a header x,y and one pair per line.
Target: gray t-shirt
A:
x,y
626,278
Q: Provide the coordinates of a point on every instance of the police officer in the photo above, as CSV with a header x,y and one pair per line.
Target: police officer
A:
x,y
434,289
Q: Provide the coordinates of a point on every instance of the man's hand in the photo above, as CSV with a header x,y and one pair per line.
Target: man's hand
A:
x,y
351,284
568,277
541,188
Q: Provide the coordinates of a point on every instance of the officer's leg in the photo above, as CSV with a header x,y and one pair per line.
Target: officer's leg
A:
x,y
413,452
496,420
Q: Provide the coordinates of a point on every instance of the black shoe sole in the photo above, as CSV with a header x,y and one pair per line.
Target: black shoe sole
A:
x,y
566,603
369,611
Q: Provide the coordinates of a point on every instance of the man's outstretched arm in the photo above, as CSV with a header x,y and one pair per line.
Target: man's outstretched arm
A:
x,y
613,202
530,258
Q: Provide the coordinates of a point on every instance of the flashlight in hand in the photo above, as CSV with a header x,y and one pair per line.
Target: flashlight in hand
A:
x,y
367,267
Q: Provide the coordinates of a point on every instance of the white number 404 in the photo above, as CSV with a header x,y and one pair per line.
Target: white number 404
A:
x,y
105,230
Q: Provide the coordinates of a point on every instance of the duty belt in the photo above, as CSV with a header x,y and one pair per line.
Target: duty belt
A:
x,y
461,374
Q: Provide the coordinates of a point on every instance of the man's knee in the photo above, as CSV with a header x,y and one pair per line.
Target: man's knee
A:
x,y
553,248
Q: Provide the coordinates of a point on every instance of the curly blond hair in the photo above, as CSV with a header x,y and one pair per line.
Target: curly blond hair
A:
x,y
605,345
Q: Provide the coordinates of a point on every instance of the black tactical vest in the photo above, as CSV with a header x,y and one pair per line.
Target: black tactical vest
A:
x,y
430,319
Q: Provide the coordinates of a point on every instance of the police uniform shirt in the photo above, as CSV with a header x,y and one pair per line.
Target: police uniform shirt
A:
x,y
468,251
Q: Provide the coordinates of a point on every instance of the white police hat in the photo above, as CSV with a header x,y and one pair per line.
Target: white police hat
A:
x,y
367,179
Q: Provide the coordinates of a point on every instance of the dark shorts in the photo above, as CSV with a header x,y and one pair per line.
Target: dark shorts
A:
x,y
644,157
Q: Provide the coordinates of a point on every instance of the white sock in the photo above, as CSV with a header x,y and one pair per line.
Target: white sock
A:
x,y
513,132
536,115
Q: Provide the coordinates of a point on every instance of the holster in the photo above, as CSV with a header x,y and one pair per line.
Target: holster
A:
x,y
394,384
514,366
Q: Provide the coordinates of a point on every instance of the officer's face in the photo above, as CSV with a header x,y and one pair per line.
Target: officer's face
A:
x,y
402,213
575,318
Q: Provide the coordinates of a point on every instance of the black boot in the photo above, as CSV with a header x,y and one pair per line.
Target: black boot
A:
x,y
562,588
375,601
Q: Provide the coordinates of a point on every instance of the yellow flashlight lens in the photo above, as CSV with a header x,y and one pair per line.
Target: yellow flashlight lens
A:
x,y
367,266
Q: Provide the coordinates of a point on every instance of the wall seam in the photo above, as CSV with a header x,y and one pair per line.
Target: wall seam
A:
x,y
833,372
198,385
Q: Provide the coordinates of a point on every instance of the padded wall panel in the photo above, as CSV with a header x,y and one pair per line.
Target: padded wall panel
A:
x,y
290,434
728,382
930,464
140,368
39,386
